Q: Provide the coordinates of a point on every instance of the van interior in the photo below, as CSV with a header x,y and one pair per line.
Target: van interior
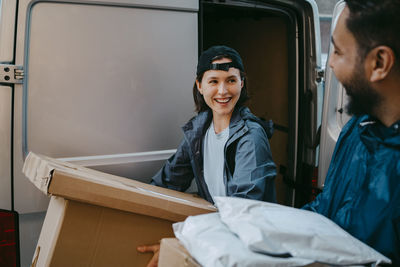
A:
x,y
261,36
266,39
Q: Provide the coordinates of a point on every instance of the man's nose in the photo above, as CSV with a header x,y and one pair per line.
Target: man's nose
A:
x,y
331,61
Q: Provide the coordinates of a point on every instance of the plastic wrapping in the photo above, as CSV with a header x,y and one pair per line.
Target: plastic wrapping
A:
x,y
212,244
280,230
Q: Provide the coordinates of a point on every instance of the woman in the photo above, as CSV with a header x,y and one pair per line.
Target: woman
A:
x,y
225,147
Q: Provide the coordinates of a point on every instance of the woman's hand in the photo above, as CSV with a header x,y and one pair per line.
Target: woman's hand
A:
x,y
151,248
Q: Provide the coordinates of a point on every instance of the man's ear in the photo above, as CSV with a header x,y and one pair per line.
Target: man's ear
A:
x,y
380,61
198,84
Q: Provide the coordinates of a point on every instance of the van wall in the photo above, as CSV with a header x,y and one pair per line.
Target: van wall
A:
x,y
98,81
261,39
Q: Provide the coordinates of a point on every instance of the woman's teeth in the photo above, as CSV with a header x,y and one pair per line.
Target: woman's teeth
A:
x,y
222,100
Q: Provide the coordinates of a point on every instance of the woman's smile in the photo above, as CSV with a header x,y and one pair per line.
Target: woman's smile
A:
x,y
223,100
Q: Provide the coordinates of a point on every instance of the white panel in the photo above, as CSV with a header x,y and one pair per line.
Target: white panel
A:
x,y
106,86
332,120
5,147
102,80
121,158
7,30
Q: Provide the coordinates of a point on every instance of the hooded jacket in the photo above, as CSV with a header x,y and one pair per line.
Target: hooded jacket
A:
x,y
362,186
249,171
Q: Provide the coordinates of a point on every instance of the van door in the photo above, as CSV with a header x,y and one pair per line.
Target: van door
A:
x,y
7,30
279,42
105,85
334,115
9,240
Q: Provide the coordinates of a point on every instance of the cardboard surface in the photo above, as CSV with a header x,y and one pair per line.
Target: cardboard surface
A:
x,y
172,253
138,198
97,219
78,183
98,236
80,234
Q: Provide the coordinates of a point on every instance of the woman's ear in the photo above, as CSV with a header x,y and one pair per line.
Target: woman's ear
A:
x,y
380,61
198,84
242,83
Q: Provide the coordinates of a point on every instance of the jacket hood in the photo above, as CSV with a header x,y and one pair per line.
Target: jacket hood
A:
x,y
267,125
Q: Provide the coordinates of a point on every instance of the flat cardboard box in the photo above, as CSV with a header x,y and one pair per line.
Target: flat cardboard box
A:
x,y
173,253
98,219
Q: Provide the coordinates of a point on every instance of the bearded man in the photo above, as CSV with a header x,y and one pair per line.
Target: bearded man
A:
x,y
362,187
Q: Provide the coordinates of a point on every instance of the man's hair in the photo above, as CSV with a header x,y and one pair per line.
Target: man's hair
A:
x,y
199,102
374,23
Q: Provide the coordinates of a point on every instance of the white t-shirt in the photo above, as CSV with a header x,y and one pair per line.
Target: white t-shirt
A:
x,y
214,160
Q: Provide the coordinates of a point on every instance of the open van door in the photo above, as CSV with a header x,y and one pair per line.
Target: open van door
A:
x,y
103,84
279,42
334,115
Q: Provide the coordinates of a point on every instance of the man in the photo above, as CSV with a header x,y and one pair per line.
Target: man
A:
x,y
362,188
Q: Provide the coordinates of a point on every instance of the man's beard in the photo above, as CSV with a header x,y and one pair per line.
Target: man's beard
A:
x,y
363,99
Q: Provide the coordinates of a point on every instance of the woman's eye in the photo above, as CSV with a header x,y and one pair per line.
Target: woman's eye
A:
x,y
232,81
212,81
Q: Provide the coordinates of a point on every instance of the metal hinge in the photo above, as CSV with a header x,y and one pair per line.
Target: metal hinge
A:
x,y
319,75
11,74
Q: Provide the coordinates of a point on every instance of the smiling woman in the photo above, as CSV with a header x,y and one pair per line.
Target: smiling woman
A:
x,y
226,148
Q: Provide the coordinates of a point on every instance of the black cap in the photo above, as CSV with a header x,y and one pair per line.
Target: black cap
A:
x,y
206,58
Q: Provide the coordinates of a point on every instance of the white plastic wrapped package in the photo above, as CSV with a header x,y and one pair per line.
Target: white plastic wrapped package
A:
x,y
212,244
278,230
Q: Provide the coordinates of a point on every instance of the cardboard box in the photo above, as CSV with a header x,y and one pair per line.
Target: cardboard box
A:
x,y
98,219
172,253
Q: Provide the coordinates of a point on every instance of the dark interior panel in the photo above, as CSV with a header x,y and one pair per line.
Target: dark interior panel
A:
x,y
261,38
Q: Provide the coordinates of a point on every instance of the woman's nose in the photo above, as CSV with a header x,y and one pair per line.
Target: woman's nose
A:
x,y
222,88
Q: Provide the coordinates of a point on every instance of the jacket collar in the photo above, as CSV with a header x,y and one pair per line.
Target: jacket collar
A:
x,y
374,133
195,128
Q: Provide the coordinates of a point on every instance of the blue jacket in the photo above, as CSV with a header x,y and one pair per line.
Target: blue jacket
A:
x,y
362,187
249,171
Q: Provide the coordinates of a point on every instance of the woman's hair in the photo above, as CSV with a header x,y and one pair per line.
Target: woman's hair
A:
x,y
201,105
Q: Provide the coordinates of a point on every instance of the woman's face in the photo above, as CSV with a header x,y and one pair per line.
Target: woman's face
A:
x,y
221,89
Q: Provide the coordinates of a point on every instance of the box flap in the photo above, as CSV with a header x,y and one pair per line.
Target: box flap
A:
x,y
39,169
78,183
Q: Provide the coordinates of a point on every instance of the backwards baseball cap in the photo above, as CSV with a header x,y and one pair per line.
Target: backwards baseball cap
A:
x,y
206,58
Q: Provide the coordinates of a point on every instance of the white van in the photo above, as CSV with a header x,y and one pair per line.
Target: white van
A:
x,y
107,84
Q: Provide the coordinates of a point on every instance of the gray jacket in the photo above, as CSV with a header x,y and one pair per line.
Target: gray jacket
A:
x,y
249,170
